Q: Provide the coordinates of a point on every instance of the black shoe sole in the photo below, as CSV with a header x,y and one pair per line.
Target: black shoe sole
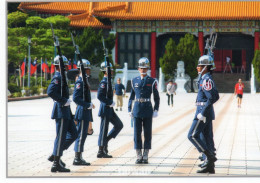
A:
x,y
81,164
55,170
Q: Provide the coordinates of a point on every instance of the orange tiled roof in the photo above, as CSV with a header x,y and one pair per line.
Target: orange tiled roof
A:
x,y
221,10
217,10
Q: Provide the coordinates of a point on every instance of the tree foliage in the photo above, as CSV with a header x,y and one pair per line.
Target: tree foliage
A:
x,y
187,50
21,26
256,64
91,46
169,60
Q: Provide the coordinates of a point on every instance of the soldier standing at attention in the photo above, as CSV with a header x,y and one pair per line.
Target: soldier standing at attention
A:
x,y
143,112
107,114
83,114
66,132
202,122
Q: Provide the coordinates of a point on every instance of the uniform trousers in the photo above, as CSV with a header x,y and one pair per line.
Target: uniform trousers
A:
x,y
139,124
103,134
195,131
66,134
82,129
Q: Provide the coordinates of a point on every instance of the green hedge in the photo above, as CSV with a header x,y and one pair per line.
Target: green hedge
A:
x,y
256,64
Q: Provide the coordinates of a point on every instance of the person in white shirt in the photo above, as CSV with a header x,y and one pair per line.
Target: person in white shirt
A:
x,y
170,92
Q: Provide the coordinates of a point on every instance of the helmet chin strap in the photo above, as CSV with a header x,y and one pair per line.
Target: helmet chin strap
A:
x,y
200,73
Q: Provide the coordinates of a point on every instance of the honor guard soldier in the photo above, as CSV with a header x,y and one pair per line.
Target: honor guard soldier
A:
x,y
143,112
202,122
83,114
107,114
66,132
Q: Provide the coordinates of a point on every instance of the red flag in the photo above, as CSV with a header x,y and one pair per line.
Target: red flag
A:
x,y
33,67
23,67
74,65
45,67
52,68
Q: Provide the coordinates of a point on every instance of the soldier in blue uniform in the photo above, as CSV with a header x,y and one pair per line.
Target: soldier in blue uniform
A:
x,y
143,112
202,122
66,132
107,114
83,115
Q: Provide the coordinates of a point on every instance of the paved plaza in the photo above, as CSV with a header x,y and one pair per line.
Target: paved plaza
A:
x,y
31,134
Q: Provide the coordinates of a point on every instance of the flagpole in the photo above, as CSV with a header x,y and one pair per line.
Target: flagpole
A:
x,y
29,61
54,69
41,72
36,73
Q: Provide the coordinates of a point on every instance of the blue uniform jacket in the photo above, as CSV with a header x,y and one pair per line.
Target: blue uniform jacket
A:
x,y
82,111
208,94
139,90
54,91
104,101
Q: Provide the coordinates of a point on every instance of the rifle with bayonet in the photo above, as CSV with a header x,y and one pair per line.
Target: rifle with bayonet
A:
x,y
109,83
86,90
64,85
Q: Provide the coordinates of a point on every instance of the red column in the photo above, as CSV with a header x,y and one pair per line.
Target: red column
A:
x,y
116,49
256,40
153,54
201,43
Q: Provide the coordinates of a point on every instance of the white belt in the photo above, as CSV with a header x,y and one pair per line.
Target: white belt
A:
x,y
142,100
200,103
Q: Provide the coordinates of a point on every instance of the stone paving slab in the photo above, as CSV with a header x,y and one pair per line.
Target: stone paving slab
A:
x,y
31,133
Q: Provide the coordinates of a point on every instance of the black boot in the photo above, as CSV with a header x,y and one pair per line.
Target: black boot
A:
x,y
210,168
145,156
105,149
210,158
51,159
78,160
139,159
102,153
56,167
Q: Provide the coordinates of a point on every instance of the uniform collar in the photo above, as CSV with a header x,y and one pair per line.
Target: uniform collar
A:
x,y
144,77
206,74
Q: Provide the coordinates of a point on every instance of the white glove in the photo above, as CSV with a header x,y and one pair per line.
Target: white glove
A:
x,y
68,102
130,114
91,106
201,118
113,104
155,114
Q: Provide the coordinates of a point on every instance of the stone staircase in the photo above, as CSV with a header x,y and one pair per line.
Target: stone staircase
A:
x,y
226,82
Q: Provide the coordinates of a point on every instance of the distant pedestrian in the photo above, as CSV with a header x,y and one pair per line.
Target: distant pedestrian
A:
x,y
239,87
170,91
119,92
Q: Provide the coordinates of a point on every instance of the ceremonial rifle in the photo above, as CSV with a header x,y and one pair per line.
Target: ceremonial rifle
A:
x,y
109,83
86,90
64,85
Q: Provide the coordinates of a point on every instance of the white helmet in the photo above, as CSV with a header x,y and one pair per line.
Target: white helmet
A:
x,y
207,60
143,63
103,66
57,60
86,64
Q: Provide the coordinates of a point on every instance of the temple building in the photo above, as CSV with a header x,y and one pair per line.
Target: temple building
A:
x,y
143,28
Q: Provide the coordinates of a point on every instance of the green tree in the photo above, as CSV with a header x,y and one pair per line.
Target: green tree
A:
x,y
90,45
187,50
169,60
41,36
256,64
